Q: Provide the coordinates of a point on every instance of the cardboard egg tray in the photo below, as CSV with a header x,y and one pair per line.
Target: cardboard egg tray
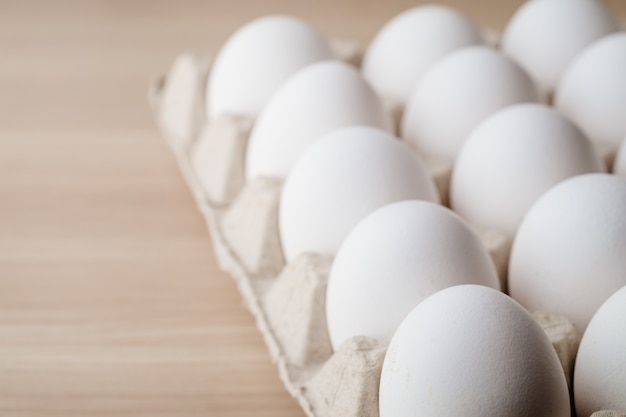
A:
x,y
288,301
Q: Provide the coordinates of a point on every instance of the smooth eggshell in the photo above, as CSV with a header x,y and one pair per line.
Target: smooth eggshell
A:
x,y
395,258
410,43
569,254
619,167
471,350
459,92
592,91
544,37
511,159
342,178
600,372
256,60
318,99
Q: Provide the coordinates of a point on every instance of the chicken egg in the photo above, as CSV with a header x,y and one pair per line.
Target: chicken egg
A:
x,y
511,159
410,43
473,351
543,37
342,178
316,100
256,60
568,255
592,91
600,370
395,258
459,92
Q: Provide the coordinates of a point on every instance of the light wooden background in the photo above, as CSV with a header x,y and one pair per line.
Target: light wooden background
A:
x,y
110,300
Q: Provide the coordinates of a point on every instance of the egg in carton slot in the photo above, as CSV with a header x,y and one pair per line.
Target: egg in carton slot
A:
x,y
287,300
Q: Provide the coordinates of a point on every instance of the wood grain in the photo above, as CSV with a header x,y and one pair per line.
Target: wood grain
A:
x,y
110,300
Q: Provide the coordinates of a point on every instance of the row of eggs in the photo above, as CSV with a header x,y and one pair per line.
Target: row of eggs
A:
x,y
321,125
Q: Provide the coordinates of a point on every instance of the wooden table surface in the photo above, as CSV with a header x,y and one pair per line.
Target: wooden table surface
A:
x,y
110,300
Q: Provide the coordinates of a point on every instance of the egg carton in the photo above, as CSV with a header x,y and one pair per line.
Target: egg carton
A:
x,y
288,300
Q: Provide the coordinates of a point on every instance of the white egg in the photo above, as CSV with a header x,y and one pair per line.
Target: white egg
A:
x,y
619,167
600,372
395,258
459,92
316,100
543,37
593,90
511,159
410,43
569,254
471,350
342,178
257,59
